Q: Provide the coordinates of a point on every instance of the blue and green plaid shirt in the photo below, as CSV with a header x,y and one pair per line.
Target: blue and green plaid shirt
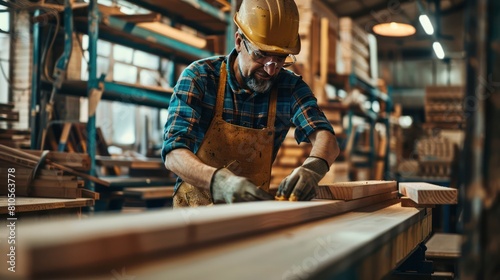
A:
x,y
192,106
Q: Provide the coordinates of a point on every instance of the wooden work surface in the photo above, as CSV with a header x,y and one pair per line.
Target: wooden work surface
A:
x,y
229,241
444,245
363,244
31,204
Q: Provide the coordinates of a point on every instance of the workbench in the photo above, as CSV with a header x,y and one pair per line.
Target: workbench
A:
x,y
36,207
271,240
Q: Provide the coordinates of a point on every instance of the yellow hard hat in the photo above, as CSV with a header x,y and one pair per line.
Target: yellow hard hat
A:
x,y
271,25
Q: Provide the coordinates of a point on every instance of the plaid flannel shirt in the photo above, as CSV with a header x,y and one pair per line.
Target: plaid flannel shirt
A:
x,y
192,106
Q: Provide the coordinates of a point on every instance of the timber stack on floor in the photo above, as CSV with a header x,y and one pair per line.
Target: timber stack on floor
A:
x,y
364,230
9,134
46,174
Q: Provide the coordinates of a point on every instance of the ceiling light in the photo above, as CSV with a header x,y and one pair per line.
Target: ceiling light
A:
x,y
438,49
394,29
426,24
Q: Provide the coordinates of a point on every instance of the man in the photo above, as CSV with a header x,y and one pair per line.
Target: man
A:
x,y
229,115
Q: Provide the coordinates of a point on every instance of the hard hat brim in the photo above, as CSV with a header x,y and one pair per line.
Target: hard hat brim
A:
x,y
294,49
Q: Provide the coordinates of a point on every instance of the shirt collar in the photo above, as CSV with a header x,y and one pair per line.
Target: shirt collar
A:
x,y
233,83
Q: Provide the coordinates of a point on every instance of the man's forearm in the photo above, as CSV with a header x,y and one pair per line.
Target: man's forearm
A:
x,y
324,145
189,167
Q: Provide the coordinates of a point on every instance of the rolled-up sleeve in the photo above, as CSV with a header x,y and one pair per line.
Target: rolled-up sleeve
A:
x,y
182,128
306,114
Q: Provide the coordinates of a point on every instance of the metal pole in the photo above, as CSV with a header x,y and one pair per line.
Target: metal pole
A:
x,y
35,78
93,33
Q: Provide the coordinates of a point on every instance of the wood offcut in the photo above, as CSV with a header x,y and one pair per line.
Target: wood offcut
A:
x,y
356,189
425,193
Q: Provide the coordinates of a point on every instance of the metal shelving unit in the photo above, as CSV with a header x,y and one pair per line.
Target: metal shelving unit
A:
x,y
124,30
351,81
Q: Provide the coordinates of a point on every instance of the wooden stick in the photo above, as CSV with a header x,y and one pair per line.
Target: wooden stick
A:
x,y
54,164
425,193
356,189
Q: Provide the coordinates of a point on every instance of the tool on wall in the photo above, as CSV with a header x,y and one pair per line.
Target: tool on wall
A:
x,y
60,69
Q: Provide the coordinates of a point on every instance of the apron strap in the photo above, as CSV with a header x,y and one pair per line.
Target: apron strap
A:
x,y
220,92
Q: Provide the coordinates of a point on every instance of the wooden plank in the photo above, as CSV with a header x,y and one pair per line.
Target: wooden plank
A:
x,y
5,156
107,238
407,202
425,193
68,159
149,163
444,246
56,192
56,183
31,161
29,204
26,171
138,181
356,189
365,244
90,194
49,192
149,192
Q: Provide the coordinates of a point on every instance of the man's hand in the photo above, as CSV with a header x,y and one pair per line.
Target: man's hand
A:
x,y
302,183
227,187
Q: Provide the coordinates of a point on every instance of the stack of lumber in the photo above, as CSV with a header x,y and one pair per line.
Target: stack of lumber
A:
x,y
319,35
291,155
444,106
56,175
16,138
135,166
435,156
356,48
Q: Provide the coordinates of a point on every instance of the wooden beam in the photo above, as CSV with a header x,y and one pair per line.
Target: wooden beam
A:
x,y
110,238
149,192
29,204
31,161
425,193
356,189
444,246
364,244
326,249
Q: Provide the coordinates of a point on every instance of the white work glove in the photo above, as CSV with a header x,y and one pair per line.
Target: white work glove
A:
x,y
226,187
302,183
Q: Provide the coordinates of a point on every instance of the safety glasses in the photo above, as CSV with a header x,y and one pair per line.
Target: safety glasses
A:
x,y
286,60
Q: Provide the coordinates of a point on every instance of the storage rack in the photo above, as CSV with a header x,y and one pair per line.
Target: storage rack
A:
x,y
124,30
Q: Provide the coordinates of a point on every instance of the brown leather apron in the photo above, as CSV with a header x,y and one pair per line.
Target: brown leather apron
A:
x,y
245,151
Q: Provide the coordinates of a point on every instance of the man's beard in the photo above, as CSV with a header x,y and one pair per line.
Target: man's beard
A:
x,y
255,84
258,85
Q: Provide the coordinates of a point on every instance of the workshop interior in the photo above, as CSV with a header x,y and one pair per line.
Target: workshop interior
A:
x,y
411,89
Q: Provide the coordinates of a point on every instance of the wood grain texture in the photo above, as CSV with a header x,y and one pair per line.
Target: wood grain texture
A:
x,y
109,238
356,189
28,204
425,193
364,244
444,245
149,192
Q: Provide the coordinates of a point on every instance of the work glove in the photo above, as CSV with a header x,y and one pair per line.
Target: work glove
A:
x,y
227,187
302,183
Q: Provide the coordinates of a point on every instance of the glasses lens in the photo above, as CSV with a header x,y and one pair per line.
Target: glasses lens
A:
x,y
289,61
257,55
